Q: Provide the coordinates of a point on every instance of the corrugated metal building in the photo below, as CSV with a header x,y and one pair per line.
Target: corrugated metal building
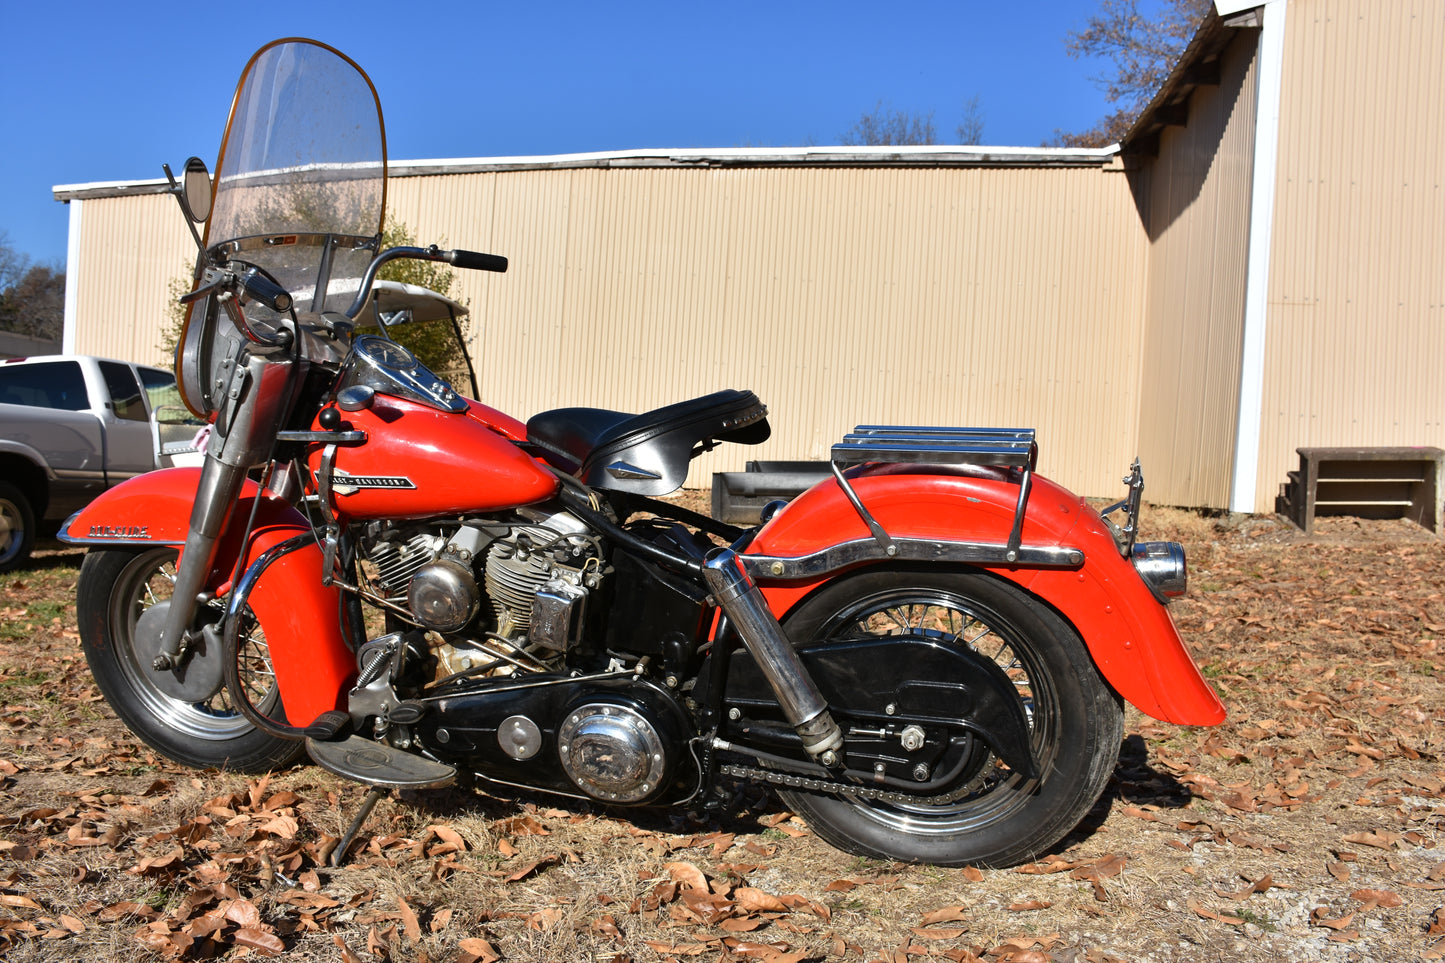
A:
x,y
1256,268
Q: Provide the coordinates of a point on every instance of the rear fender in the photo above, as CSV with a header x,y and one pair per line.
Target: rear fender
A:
x,y
1129,634
301,618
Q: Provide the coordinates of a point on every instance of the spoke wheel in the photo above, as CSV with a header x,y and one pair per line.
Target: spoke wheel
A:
x,y
116,588
991,815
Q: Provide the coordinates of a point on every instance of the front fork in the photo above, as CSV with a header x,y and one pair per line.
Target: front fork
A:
x,y
257,395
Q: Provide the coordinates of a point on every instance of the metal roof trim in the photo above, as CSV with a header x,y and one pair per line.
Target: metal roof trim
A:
x,y
946,155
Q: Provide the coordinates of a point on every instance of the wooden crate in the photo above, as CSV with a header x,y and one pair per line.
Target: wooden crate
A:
x,y
1364,482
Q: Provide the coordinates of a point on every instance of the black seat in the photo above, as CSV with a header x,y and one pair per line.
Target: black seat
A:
x,y
646,454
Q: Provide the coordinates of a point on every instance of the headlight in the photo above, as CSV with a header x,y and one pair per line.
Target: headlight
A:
x,y
1162,567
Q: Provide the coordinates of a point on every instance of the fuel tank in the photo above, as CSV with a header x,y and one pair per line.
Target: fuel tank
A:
x,y
419,462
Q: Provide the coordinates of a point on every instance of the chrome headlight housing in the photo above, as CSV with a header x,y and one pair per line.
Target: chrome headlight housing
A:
x,y
1163,568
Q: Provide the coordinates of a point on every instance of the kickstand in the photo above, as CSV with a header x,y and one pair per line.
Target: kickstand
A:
x,y
373,796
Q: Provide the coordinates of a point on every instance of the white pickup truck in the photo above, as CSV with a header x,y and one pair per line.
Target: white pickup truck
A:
x,y
72,426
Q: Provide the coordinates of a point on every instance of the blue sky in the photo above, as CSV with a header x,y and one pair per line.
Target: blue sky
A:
x,y
109,91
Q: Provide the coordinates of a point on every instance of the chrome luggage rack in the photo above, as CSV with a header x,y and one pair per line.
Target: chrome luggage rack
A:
x,y
1009,448
1003,447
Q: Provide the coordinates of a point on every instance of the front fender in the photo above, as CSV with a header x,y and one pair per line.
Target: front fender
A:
x,y
300,617
1129,634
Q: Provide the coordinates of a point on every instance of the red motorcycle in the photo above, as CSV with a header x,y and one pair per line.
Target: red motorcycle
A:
x,y
927,654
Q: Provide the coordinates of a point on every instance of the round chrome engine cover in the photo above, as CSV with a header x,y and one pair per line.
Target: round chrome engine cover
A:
x,y
443,595
519,737
612,752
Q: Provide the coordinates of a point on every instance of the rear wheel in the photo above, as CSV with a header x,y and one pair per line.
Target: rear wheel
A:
x,y
17,526
116,588
992,816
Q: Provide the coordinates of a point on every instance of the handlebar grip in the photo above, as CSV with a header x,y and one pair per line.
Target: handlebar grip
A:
x,y
474,261
254,287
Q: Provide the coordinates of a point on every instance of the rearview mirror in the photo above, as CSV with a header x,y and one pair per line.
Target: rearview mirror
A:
x,y
195,193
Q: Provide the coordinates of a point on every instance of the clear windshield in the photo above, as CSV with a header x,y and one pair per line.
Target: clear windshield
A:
x,y
300,184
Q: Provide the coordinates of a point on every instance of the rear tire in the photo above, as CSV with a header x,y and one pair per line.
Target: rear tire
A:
x,y
1075,720
17,527
115,588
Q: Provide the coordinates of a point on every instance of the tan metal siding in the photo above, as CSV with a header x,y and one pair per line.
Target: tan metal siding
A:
x,y
840,295
1356,326
977,296
1196,200
129,249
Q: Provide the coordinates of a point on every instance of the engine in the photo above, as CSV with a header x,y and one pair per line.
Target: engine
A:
x,y
493,597
507,601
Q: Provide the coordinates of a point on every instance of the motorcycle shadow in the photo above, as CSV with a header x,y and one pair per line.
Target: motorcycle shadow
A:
x,y
1134,783
742,811
748,808
745,808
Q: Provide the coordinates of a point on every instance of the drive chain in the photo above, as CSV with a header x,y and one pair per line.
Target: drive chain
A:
x,y
793,781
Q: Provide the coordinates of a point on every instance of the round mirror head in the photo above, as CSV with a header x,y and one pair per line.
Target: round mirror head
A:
x,y
196,190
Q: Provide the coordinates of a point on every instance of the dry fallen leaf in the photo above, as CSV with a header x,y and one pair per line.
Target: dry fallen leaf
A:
x,y
1211,915
266,944
757,901
1380,840
949,914
1318,916
477,951
686,874
410,925
744,924
1376,897
532,867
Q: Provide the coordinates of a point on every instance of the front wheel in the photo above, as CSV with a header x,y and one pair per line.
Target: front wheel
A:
x,y
116,587
993,816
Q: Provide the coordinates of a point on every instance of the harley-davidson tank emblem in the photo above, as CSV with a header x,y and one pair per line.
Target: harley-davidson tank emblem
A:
x,y
120,531
344,484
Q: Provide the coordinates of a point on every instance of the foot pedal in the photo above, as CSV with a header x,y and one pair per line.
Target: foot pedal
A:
x,y
374,764
407,712
328,725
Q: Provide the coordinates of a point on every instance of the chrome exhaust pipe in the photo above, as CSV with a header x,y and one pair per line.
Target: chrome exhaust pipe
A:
x,y
802,703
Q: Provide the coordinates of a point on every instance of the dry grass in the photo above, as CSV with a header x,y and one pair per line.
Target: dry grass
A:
x,y
1306,827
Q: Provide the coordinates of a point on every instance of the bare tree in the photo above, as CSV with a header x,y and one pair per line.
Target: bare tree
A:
x,y
13,264
1142,51
32,296
970,128
885,127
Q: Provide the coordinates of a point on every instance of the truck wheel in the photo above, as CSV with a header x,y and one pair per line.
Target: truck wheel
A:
x,y
17,527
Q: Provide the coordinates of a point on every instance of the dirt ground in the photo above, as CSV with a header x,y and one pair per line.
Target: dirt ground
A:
x,y
1307,827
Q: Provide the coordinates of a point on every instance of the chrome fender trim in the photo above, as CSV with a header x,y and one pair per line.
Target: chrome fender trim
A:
x,y
844,555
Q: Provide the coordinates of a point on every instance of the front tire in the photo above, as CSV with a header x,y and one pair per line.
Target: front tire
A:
x,y
998,817
115,588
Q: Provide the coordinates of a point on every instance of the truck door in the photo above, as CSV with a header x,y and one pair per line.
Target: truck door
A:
x,y
45,408
129,448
